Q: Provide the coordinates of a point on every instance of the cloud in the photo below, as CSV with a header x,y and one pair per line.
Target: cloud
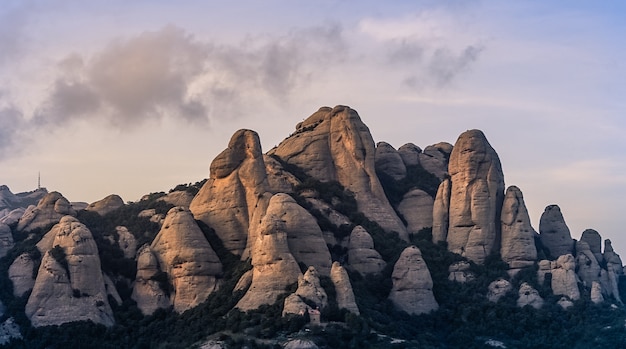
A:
x,y
11,123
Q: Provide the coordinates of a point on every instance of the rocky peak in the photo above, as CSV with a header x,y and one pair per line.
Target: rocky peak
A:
x,y
410,154
554,233
362,257
476,196
517,246
594,240
343,288
310,288
434,159
389,162
6,239
106,205
412,284
48,211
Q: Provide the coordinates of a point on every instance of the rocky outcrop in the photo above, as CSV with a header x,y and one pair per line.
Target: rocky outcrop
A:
x,y
13,216
587,264
388,161
527,295
564,278
273,266
6,239
235,197
106,205
441,212
417,209
335,145
126,241
48,211
594,240
343,289
244,281
410,154
304,236
554,233
476,197
612,258
544,267
300,344
412,289
69,285
434,159
178,198
498,289
279,180
148,289
565,303
596,293
188,259
518,236
21,274
460,272
310,288
362,257
295,305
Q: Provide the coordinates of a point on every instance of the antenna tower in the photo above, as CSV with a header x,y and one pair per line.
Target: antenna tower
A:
x,y
38,180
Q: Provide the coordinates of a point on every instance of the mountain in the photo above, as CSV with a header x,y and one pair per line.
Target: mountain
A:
x,y
327,240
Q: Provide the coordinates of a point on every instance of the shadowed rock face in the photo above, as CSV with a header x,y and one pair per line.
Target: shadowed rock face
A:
x,y
417,209
564,278
476,196
434,159
412,284
63,294
389,162
527,295
6,239
50,209
518,236
21,274
362,257
147,291
554,233
594,240
236,195
335,145
343,288
186,256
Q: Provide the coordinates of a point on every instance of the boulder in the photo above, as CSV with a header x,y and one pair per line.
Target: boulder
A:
x,y
50,209
417,209
476,197
21,274
564,278
412,289
310,288
554,233
441,212
594,240
69,284
362,257
517,247
434,159
235,197
188,259
460,272
527,295
343,288
106,205
335,145
498,289
126,241
410,154
149,290
565,303
6,239
304,236
388,162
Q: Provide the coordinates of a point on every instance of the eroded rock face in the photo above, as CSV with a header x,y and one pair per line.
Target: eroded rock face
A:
x,y
389,162
295,305
147,291
594,240
410,154
434,158
106,205
178,198
21,274
476,197
6,239
498,289
13,216
335,145
50,209
441,212
309,287
187,257
545,267
417,209
527,295
518,236
412,284
554,233
279,180
588,267
63,294
362,257
126,241
596,293
460,272
612,258
343,288
565,303
304,236
236,195
564,278
273,265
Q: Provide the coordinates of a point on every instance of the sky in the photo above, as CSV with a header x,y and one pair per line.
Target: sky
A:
x,y
130,98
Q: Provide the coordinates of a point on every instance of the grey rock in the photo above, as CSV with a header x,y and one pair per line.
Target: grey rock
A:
x,y
389,162
498,289
518,236
417,209
596,293
126,241
441,212
594,240
106,205
6,239
343,289
565,303
410,154
21,274
412,284
554,233
147,291
587,265
50,209
309,287
527,295
362,257
460,272
564,278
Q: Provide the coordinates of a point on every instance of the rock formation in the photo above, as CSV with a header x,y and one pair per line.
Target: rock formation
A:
x,y
460,272
300,344
280,180
412,289
362,257
126,241
417,209
518,236
48,211
178,198
594,240
335,145
389,162
410,154
596,293
587,264
236,195
554,233
188,259
476,197
527,295
310,288
273,266
106,205
21,274
441,212
612,258
304,236
295,305
565,303
13,216
148,290
498,289
6,239
545,267
343,289
69,285
434,159
564,278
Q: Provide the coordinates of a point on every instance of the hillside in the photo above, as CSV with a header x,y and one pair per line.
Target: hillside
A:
x,y
327,240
